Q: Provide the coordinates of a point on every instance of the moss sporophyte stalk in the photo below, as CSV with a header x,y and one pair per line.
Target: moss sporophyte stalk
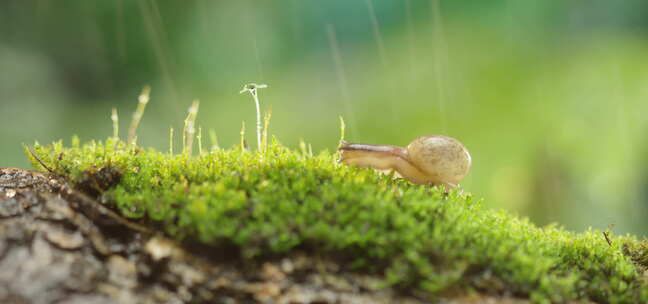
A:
x,y
416,238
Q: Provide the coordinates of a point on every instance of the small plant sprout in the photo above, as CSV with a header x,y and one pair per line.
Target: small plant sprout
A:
x,y
243,136
342,141
302,146
189,128
199,137
342,130
115,122
171,141
306,149
143,99
607,235
266,124
214,140
252,88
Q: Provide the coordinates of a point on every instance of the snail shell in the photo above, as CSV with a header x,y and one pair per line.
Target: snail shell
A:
x,y
427,160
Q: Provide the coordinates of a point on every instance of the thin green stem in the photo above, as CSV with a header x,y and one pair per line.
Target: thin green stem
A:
x,y
143,100
115,120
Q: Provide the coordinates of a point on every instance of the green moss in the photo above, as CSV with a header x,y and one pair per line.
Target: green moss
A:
x,y
418,238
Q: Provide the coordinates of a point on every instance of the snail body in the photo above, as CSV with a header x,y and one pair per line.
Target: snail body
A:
x,y
427,160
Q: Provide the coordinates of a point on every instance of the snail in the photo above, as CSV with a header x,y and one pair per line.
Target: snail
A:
x,y
427,160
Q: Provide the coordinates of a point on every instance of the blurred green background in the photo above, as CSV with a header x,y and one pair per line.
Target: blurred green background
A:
x,y
550,97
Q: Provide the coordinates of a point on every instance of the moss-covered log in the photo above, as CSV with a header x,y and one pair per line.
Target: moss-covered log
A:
x,y
420,241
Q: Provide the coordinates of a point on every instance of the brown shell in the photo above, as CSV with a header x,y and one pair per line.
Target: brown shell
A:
x,y
443,159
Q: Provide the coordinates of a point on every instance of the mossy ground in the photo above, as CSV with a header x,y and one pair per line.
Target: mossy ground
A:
x,y
417,238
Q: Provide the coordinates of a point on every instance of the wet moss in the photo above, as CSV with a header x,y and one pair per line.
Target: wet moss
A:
x,y
416,238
